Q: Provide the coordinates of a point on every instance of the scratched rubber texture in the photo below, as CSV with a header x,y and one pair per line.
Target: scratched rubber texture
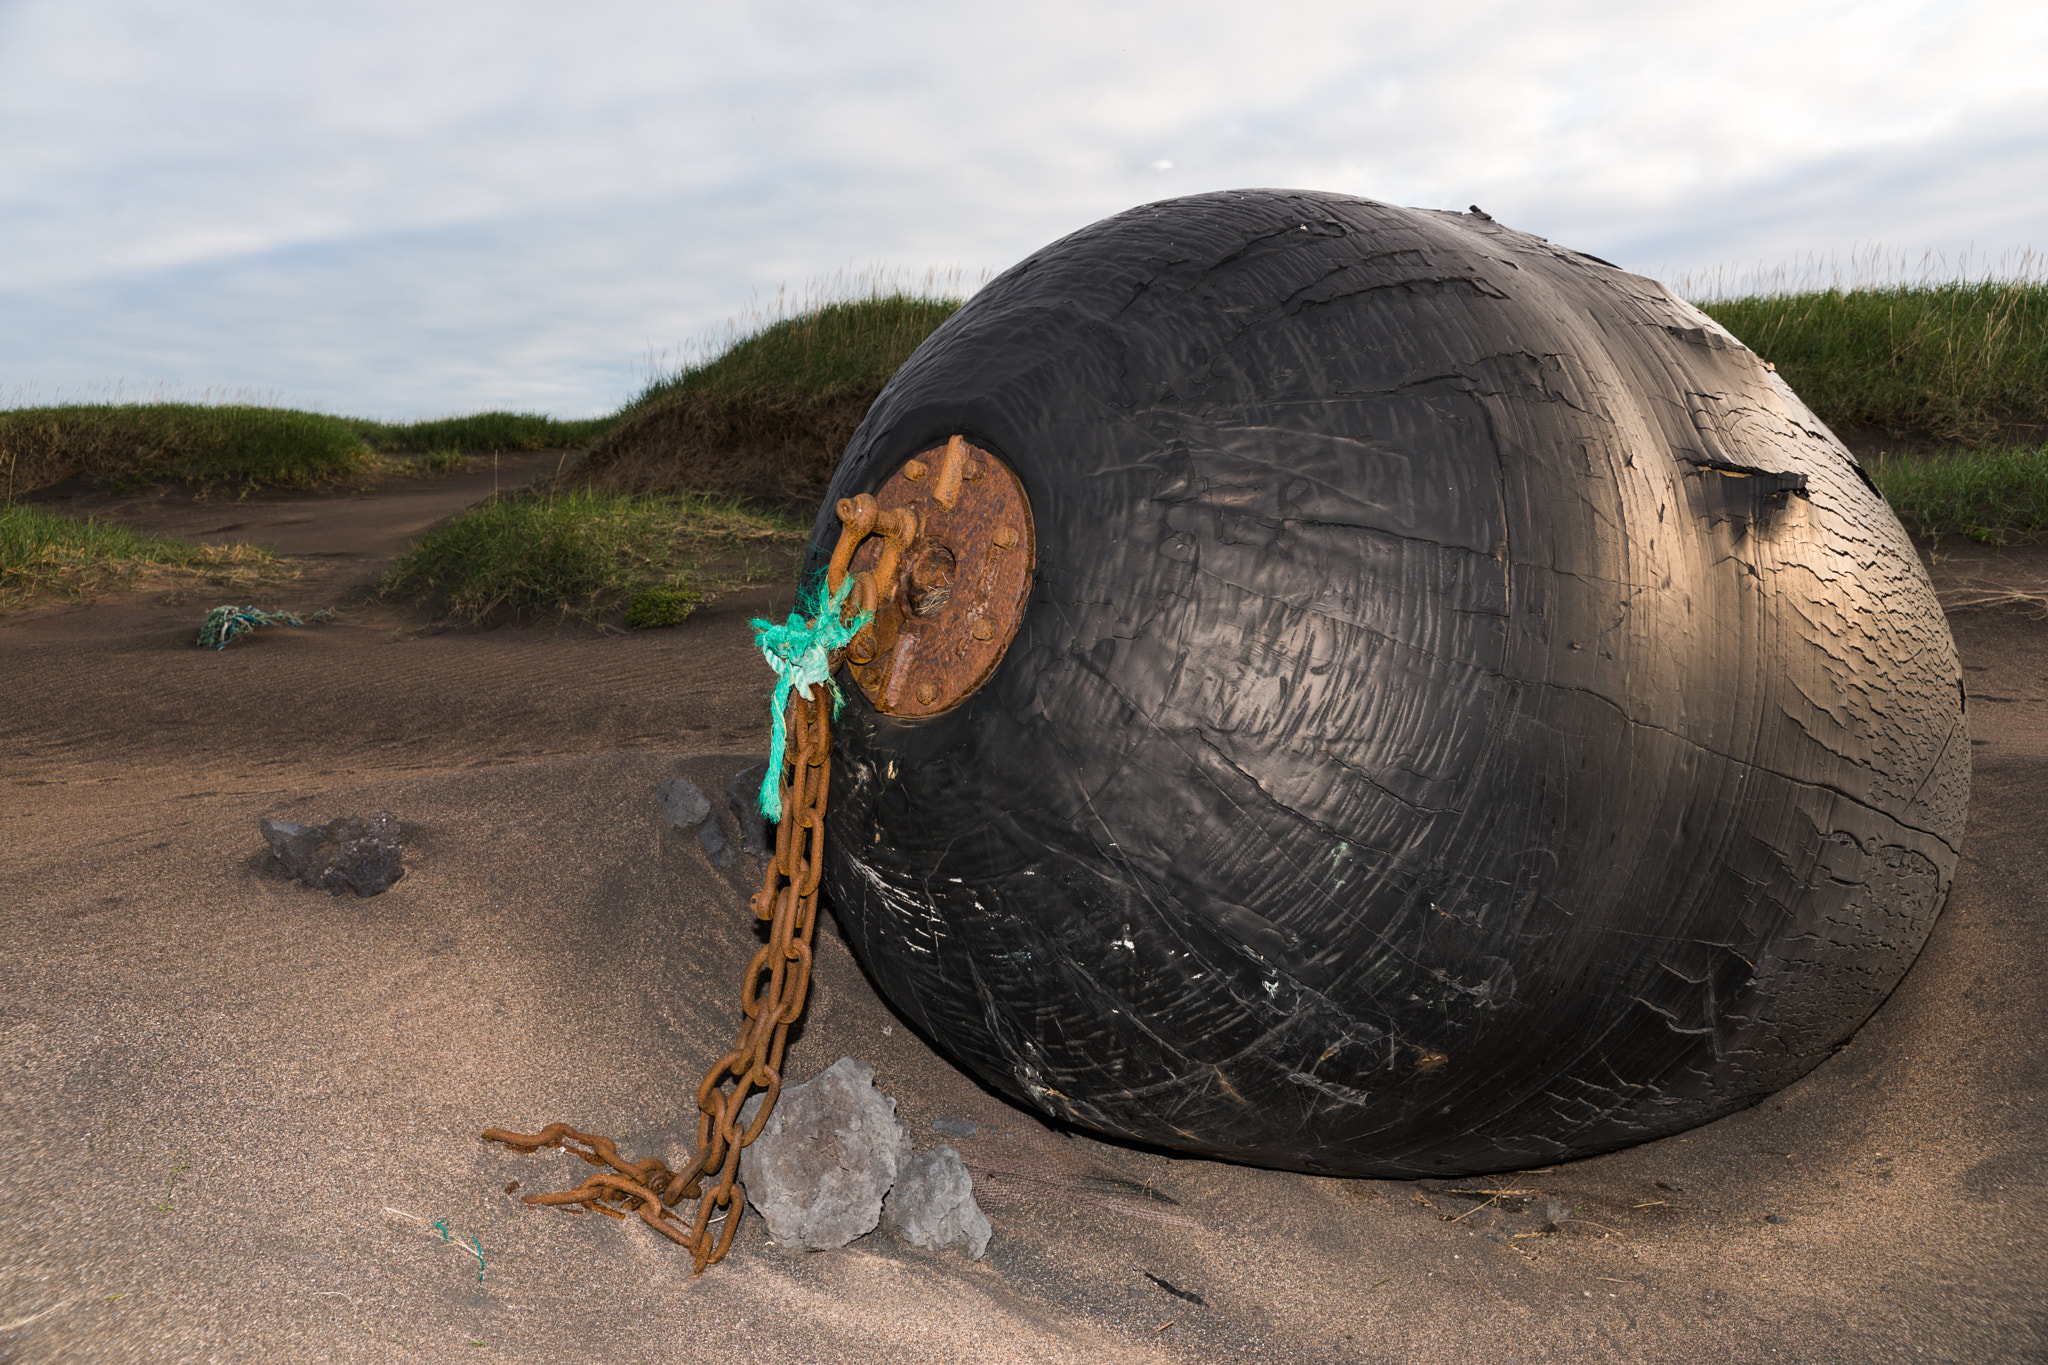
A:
x,y
1430,745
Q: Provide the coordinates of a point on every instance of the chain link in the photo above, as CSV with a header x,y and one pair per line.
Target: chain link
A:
x,y
772,993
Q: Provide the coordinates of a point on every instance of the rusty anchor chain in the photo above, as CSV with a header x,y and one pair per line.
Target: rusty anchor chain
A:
x,y
945,579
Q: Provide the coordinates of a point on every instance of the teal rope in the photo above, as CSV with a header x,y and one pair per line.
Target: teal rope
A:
x,y
800,652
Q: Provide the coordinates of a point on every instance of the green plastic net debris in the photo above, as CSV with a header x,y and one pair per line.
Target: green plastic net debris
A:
x,y
800,652
224,624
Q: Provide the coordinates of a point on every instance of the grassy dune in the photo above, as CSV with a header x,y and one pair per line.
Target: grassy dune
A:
x,y
46,553
132,443
767,416
850,346
1957,364
782,396
119,444
1953,373
480,433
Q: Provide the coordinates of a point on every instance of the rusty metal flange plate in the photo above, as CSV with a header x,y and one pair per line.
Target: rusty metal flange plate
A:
x,y
949,600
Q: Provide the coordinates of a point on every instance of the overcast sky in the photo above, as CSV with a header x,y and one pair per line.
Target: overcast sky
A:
x,y
417,208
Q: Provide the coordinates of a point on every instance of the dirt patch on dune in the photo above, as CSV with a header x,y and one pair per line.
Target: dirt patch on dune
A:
x,y
777,450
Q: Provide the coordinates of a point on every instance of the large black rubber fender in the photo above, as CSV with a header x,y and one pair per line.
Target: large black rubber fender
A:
x,y
1469,713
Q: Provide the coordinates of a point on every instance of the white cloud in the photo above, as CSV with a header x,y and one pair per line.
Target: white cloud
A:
x,y
394,208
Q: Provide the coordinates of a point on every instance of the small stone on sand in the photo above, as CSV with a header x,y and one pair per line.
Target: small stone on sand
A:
x,y
363,856
682,805
933,1204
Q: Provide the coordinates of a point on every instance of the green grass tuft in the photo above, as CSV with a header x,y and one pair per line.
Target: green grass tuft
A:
x,y
1997,497
43,552
585,551
668,604
1953,362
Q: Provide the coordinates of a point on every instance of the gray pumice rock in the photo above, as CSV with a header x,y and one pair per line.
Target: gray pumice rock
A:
x,y
828,1155
933,1204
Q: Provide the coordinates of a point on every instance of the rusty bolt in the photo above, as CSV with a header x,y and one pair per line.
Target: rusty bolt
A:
x,y
914,471
982,629
952,465
926,694
1006,537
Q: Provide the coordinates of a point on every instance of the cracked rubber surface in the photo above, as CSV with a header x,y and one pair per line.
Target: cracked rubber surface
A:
x,y
1470,712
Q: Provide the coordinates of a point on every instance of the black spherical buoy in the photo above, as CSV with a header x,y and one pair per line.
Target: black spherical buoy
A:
x,y
1466,711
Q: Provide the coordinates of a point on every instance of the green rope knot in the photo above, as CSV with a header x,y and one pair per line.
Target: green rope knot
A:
x,y
800,652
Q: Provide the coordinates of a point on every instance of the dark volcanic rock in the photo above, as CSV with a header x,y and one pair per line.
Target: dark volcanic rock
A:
x,y
364,856
686,807
682,805
715,846
744,792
